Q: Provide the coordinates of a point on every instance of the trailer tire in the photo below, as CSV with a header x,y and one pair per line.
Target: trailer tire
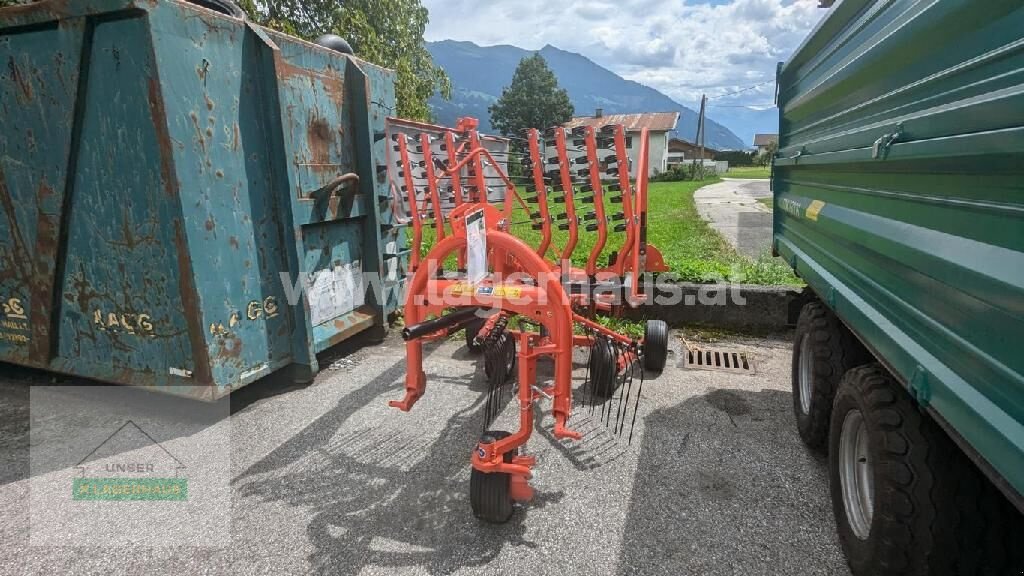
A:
x,y
655,345
823,351
490,494
932,510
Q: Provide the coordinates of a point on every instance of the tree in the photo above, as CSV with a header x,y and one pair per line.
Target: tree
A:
x,y
388,34
533,100
766,157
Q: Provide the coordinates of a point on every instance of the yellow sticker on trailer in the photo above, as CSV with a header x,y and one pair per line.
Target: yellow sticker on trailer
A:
x,y
813,209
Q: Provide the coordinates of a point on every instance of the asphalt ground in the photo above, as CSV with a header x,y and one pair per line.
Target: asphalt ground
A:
x,y
326,479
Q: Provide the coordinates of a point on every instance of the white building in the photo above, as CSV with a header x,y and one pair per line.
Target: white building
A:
x,y
659,125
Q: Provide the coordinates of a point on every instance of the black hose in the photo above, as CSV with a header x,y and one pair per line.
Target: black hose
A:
x,y
448,321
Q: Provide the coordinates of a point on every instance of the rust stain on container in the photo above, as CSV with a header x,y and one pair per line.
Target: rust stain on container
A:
x,y
23,83
230,347
21,256
41,285
200,139
320,139
191,307
163,139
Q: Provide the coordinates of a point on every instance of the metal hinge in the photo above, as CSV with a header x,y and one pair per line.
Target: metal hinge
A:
x,y
796,157
881,147
919,386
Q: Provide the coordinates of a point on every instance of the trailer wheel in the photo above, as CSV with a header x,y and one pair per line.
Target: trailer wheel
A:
x,y
490,494
604,369
655,348
906,499
823,350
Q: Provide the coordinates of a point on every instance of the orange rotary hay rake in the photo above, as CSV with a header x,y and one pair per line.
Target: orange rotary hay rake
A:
x,y
517,302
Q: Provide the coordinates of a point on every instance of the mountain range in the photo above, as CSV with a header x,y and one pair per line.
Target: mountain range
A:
x,y
480,73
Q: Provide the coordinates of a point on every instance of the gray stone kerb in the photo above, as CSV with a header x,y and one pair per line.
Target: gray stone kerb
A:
x,y
729,306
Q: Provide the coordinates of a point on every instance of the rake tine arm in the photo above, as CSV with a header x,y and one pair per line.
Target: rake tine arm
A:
x,y
434,195
598,191
456,178
542,192
627,199
567,189
410,188
639,252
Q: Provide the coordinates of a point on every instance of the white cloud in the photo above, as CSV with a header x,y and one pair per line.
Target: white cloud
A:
x,y
681,48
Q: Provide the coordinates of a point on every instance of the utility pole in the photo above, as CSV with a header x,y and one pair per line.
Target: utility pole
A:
x,y
699,140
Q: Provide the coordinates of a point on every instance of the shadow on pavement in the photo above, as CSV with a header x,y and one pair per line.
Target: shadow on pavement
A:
x,y
727,488
386,498
16,389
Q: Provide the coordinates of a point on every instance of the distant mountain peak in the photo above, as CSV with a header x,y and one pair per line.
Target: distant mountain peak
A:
x,y
479,73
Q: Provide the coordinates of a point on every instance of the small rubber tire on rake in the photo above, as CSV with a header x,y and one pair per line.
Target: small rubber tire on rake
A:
x,y
604,368
472,330
490,494
655,348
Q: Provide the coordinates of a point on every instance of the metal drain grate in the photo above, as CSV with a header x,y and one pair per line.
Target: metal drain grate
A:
x,y
719,360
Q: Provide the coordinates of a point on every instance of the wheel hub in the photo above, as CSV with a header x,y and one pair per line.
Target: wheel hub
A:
x,y
806,374
855,474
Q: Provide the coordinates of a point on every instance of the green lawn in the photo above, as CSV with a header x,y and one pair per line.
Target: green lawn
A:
x,y
692,249
749,172
767,202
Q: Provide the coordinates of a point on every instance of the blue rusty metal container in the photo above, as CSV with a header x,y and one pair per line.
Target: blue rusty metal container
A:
x,y
174,209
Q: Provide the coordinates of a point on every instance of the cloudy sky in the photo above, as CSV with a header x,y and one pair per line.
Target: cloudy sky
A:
x,y
680,47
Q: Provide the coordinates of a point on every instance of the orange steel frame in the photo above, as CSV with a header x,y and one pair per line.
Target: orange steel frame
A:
x,y
544,300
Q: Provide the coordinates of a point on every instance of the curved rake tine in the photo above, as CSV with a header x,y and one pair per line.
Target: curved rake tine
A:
x,y
488,359
636,406
588,384
629,389
615,367
618,410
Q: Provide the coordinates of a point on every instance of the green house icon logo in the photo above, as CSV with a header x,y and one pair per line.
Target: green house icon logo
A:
x,y
130,465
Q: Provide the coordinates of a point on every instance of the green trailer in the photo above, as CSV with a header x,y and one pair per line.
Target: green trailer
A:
x,y
899,199
188,202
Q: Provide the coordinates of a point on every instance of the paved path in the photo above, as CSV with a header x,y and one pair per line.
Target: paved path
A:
x,y
731,207
326,479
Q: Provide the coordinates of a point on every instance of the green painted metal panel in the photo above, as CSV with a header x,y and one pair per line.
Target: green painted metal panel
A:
x,y
164,175
899,198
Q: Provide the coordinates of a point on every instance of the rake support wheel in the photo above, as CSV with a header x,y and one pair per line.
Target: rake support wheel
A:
x,y
604,368
655,348
490,494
